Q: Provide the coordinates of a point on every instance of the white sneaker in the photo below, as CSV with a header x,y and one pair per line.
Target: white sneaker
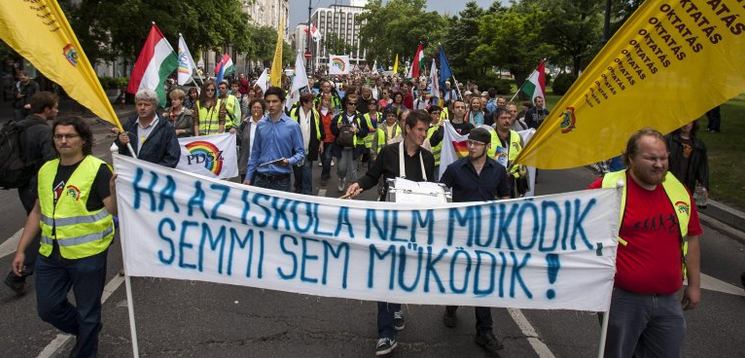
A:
x,y
320,163
340,186
332,162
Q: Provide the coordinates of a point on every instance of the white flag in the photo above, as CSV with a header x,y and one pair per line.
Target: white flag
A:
x,y
186,64
213,156
435,80
299,82
263,79
339,65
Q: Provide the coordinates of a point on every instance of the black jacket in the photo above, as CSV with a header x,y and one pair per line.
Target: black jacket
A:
x,y
698,162
36,144
160,147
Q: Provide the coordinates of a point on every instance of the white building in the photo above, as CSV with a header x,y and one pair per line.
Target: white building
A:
x,y
267,12
299,38
340,20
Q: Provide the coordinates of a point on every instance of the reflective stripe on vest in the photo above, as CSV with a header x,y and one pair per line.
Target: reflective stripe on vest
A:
x,y
85,219
78,232
679,199
74,241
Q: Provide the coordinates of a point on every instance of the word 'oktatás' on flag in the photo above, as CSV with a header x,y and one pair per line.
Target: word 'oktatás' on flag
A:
x,y
156,62
42,35
667,65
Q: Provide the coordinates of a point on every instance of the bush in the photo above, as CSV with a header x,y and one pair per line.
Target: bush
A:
x,y
502,85
562,82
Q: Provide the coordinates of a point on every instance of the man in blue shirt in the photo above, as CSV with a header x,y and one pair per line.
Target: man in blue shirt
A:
x,y
477,178
278,146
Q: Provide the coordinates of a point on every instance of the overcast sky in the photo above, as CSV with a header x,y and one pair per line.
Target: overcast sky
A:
x,y
299,8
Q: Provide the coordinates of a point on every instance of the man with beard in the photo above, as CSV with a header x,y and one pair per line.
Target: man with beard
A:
x,y
659,247
477,178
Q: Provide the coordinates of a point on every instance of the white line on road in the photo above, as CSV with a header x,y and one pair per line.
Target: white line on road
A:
x,y
713,284
9,246
58,342
539,347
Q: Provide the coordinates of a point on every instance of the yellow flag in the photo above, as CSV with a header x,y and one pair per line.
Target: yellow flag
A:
x,y
39,31
276,74
395,65
669,63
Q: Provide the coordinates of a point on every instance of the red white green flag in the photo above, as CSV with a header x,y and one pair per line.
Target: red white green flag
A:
x,y
415,68
156,62
535,85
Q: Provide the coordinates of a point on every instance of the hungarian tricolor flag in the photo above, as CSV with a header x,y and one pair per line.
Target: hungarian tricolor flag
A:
x,y
535,85
224,68
414,70
156,62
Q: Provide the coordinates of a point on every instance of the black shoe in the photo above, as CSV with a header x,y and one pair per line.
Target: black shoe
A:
x,y
449,319
398,320
385,346
489,342
742,279
16,283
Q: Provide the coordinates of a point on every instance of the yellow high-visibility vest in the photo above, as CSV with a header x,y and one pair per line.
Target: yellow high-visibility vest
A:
x,y
679,199
79,233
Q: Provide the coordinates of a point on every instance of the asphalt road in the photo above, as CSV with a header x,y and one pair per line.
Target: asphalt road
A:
x,y
197,319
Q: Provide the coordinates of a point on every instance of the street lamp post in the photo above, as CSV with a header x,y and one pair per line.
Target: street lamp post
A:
x,y
308,54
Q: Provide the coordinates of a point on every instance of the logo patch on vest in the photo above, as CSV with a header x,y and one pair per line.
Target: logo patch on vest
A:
x,y
683,207
73,192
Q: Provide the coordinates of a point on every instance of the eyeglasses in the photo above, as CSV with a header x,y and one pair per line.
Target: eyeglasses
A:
x,y
65,136
210,90
352,104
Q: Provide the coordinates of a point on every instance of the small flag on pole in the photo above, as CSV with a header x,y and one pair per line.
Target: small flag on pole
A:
x,y
276,75
186,64
224,68
535,85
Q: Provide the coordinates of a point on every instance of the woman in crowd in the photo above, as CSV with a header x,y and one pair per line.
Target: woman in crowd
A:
x,y
210,111
327,112
688,160
247,133
180,117
385,98
192,96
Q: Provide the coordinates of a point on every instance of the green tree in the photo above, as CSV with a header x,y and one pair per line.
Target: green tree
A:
x,y
336,45
512,39
462,38
397,28
574,28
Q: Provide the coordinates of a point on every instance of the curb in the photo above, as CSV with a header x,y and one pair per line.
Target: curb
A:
x,y
724,219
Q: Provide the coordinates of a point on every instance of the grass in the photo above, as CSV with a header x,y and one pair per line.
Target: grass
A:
x,y
726,152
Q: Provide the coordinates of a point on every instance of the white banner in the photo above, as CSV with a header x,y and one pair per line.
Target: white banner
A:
x,y
549,252
339,65
212,155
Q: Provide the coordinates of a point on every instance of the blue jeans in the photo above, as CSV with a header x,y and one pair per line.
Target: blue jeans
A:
x,y
644,325
385,319
326,156
281,183
55,276
304,178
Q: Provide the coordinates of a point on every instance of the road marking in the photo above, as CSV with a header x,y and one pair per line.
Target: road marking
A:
x,y
51,350
530,333
9,246
713,284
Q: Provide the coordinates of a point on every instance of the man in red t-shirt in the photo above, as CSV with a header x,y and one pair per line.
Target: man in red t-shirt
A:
x,y
646,317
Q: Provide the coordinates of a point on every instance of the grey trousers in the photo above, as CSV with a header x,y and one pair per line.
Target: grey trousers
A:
x,y
644,325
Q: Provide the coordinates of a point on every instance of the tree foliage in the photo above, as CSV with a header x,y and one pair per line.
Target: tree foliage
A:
x,y
397,27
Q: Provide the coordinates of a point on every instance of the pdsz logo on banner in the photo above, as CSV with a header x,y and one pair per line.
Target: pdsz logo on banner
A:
x,y
199,158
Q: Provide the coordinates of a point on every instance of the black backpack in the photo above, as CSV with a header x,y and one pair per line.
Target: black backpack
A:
x,y
15,170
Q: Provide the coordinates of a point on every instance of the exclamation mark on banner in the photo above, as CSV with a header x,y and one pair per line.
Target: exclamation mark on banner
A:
x,y
553,271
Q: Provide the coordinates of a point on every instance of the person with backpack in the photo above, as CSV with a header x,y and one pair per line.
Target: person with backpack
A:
x,y
348,130
29,143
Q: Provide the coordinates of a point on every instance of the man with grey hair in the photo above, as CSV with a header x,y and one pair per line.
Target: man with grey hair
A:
x,y
153,138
